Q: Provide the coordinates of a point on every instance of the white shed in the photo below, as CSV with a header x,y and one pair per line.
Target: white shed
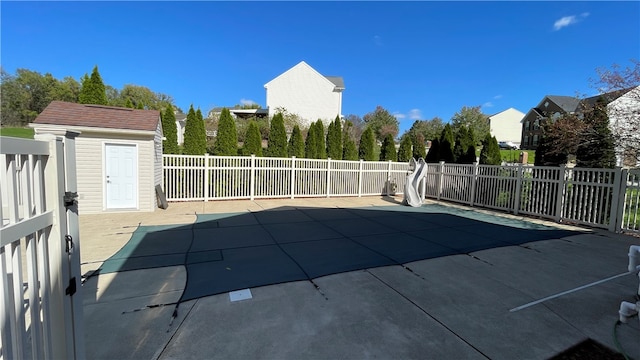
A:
x,y
118,154
303,91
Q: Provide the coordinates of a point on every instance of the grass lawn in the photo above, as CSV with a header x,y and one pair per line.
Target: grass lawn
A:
x,y
26,133
514,155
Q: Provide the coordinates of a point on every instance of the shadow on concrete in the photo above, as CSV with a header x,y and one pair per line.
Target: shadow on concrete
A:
x,y
227,252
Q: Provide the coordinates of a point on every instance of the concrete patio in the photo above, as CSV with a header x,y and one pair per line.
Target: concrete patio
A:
x,y
450,307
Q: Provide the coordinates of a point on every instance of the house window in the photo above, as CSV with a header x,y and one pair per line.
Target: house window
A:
x,y
527,125
535,139
526,140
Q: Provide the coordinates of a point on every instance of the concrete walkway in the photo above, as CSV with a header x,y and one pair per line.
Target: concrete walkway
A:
x,y
450,307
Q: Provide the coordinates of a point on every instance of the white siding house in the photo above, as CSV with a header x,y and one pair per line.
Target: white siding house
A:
x,y
118,154
303,91
507,125
624,117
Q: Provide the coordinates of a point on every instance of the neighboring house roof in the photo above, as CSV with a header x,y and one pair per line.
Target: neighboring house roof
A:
x,y
507,110
337,81
566,103
98,116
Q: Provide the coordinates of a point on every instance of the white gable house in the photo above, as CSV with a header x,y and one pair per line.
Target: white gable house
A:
x,y
507,125
303,91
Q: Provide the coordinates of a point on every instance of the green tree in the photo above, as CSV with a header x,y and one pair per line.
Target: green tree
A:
x,y
142,97
322,147
334,139
560,138
424,130
194,138
382,123
366,146
93,90
296,144
277,145
473,119
419,150
490,153
405,152
170,131
349,150
597,149
433,156
128,104
252,140
226,143
25,95
446,144
388,151
311,143
464,150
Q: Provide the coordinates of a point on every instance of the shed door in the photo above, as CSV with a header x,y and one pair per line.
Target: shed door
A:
x,y
121,176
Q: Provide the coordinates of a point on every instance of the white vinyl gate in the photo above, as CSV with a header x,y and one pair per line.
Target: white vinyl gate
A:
x,y
40,304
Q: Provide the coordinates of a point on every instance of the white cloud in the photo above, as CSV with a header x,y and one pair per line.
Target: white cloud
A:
x,y
497,97
377,40
244,101
415,114
487,104
399,115
569,20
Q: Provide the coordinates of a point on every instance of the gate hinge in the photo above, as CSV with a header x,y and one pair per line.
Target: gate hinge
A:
x,y
68,243
71,289
70,198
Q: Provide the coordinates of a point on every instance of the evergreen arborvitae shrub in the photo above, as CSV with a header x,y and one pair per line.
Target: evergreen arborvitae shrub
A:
x,y
252,140
128,103
296,144
490,153
349,149
405,152
464,149
446,144
194,139
418,150
433,156
367,143
321,150
170,131
93,90
203,130
334,139
277,144
226,143
388,151
311,143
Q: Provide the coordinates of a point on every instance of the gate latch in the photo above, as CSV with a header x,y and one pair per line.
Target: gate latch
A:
x,y
70,198
68,243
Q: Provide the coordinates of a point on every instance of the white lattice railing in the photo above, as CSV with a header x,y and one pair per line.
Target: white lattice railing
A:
x,y
38,319
607,198
189,178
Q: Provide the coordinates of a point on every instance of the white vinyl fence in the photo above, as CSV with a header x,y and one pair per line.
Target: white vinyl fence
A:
x,y
40,310
606,198
190,178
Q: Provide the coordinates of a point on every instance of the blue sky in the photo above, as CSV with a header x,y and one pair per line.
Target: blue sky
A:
x,y
417,59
